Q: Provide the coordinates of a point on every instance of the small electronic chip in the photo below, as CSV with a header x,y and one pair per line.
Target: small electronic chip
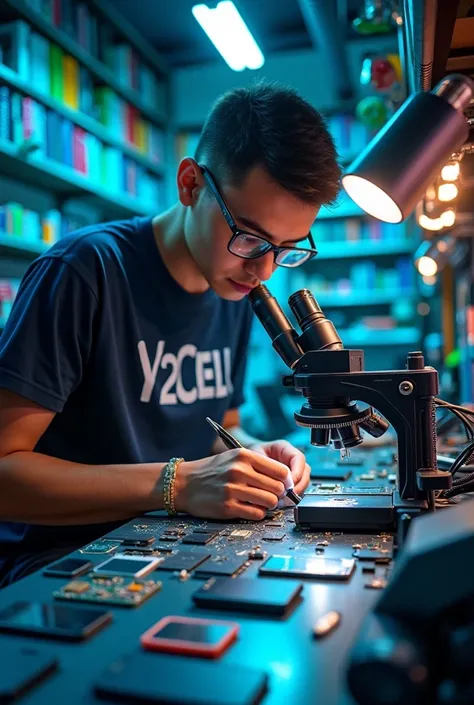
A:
x,y
240,534
200,538
368,476
384,555
226,568
185,560
98,547
123,592
166,537
138,542
274,535
77,586
130,533
257,555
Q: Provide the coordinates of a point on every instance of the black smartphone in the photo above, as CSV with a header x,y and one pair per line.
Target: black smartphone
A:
x,y
55,621
269,596
144,677
21,668
68,568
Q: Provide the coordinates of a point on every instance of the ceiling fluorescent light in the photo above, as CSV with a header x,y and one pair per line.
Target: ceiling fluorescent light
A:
x,y
230,35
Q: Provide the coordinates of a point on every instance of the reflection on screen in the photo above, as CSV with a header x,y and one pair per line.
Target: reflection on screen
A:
x,y
199,633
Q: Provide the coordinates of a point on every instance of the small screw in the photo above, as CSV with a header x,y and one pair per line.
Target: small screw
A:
x,y
405,388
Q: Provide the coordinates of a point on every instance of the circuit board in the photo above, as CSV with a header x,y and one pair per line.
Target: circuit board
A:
x,y
122,592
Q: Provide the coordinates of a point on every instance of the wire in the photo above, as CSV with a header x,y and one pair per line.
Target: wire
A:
x,y
461,413
463,484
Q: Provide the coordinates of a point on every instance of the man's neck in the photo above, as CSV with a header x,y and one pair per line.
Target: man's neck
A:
x,y
168,229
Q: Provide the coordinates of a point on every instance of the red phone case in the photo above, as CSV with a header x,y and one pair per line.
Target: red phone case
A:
x,y
191,648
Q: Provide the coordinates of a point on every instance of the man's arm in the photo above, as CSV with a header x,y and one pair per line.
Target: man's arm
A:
x,y
40,489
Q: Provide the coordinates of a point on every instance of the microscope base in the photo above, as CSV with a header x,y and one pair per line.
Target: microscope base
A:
x,y
355,512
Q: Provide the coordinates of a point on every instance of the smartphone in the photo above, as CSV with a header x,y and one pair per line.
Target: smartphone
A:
x,y
68,568
191,636
309,567
145,677
22,668
56,621
128,566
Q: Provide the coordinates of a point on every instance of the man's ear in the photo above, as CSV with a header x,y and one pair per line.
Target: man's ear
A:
x,y
189,180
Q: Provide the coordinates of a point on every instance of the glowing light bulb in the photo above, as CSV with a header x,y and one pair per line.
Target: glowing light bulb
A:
x,y
448,218
432,224
447,192
427,267
450,172
372,199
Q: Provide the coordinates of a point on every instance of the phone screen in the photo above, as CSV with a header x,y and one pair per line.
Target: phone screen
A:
x,y
198,633
122,566
309,566
42,616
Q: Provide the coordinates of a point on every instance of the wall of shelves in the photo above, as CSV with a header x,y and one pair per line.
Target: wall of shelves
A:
x,y
14,9
103,155
9,78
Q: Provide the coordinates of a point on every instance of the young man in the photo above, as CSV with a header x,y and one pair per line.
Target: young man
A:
x,y
126,335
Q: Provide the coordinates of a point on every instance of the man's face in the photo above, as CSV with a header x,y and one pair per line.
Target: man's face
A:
x,y
259,206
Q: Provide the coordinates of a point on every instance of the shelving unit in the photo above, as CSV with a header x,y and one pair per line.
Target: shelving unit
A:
x,y
11,79
365,337
19,9
350,248
21,247
369,298
64,181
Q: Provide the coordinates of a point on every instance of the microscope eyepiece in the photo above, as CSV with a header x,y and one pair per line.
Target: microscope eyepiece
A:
x,y
282,334
318,333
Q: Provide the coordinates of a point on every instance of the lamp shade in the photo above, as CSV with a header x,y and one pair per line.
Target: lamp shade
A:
x,y
391,175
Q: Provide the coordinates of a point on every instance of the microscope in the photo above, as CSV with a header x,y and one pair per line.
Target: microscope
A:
x,y
333,380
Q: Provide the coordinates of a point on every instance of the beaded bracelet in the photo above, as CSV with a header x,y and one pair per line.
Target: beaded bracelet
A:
x,y
168,485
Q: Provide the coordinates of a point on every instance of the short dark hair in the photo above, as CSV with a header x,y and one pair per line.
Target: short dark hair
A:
x,y
269,125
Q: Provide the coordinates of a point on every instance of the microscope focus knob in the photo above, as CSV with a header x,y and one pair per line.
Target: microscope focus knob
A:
x,y
415,361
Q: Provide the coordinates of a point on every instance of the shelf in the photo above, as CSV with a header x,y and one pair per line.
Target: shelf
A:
x,y
102,72
132,36
369,298
365,248
364,337
47,174
10,78
21,247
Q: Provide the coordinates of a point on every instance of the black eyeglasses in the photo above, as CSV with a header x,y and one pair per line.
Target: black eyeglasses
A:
x,y
249,246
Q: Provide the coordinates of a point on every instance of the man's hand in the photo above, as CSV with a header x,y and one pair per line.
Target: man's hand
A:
x,y
285,453
238,483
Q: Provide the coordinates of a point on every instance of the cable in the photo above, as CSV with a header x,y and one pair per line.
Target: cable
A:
x,y
461,413
463,484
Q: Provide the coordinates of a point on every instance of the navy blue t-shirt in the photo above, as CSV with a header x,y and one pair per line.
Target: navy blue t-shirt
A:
x,y
102,334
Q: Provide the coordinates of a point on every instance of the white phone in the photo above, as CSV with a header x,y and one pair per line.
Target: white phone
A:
x,y
128,566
